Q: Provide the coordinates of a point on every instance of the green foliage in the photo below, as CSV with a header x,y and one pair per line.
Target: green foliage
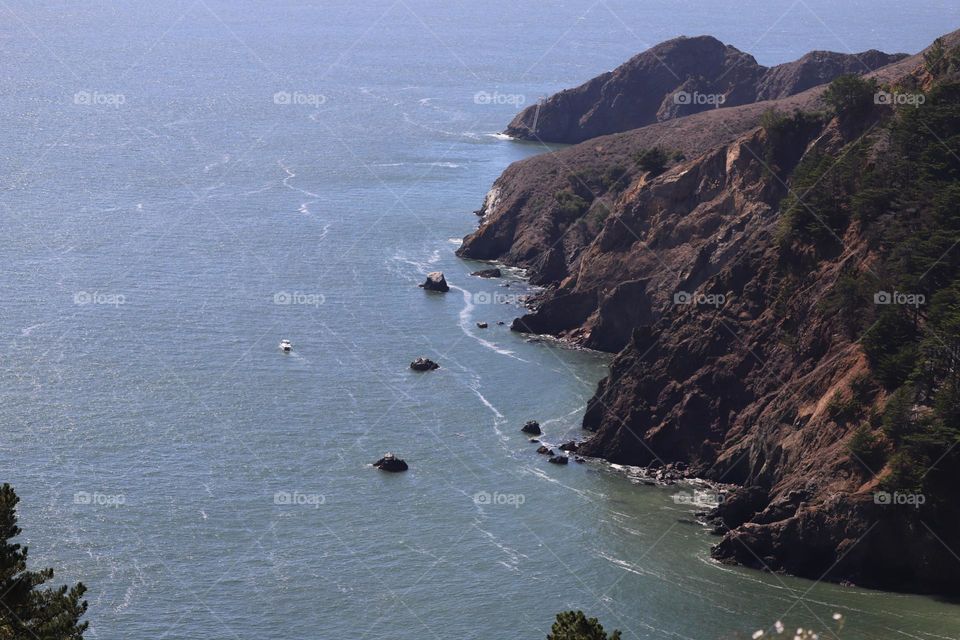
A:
x,y
585,183
867,448
850,300
926,442
906,473
29,612
653,160
591,182
940,61
786,137
845,408
871,201
851,96
599,212
897,422
818,208
615,178
574,625
571,205
891,347
840,408
904,195
934,57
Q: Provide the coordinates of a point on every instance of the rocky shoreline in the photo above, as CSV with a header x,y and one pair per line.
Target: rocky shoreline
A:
x,y
728,362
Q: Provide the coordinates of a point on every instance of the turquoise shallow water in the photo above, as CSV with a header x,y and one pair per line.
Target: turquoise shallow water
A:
x,y
186,183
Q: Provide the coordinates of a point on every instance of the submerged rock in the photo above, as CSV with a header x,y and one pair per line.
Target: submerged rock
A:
x,y
558,460
482,325
390,462
488,273
424,364
436,282
545,450
532,427
569,446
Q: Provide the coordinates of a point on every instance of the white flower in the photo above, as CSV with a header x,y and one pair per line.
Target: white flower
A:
x,y
837,616
778,626
757,634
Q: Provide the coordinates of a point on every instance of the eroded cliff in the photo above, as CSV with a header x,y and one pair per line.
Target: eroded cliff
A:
x,y
736,281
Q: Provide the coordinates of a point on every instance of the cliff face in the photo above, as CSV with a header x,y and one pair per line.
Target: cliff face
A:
x,y
677,78
724,283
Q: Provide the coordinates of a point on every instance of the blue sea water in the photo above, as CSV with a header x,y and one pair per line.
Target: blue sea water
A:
x,y
187,183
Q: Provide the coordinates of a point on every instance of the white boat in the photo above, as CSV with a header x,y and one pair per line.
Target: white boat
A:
x,y
286,345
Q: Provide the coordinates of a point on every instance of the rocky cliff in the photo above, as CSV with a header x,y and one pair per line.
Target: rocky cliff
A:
x,y
678,78
735,274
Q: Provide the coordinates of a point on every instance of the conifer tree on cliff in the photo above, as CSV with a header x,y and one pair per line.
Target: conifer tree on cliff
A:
x,y
574,625
29,611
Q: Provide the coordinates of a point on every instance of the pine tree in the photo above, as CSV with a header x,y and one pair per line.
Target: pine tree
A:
x,y
574,625
28,612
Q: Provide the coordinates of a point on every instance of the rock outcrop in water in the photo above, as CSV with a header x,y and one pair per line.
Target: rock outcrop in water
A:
x,y
488,273
677,78
745,289
424,364
531,427
436,282
390,462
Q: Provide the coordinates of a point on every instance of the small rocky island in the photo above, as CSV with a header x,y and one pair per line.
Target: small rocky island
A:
x,y
435,282
531,427
424,364
390,462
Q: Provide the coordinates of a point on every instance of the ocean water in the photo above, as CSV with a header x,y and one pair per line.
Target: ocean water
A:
x,y
187,183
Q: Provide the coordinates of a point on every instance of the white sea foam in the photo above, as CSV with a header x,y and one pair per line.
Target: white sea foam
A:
x,y
466,319
290,176
254,192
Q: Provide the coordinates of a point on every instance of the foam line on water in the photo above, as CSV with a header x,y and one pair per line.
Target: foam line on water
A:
x,y
466,317
589,496
290,176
